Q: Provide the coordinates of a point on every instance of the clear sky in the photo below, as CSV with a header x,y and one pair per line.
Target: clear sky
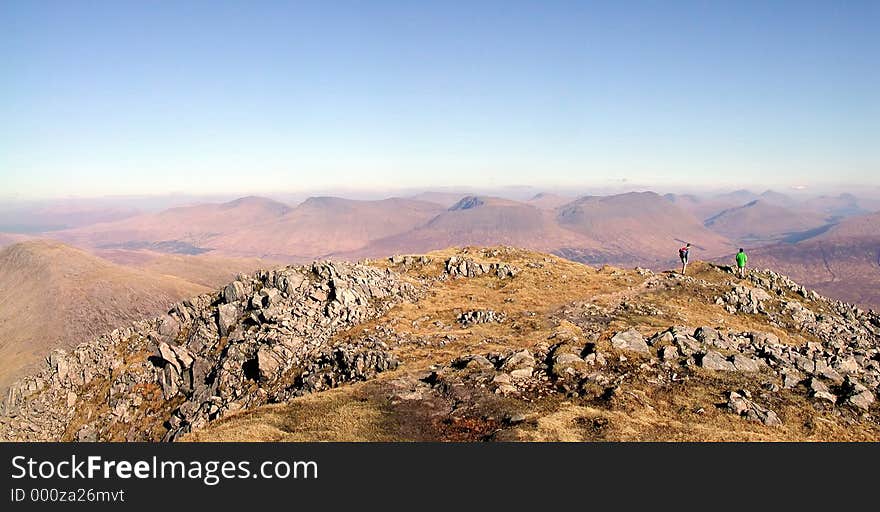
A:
x,y
153,96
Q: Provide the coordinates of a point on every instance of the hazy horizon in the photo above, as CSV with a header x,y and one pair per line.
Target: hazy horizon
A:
x,y
220,98
518,192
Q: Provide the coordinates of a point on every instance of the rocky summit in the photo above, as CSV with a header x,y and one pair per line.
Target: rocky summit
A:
x,y
465,345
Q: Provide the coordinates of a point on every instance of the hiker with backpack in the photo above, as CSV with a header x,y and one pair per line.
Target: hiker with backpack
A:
x,y
683,254
741,260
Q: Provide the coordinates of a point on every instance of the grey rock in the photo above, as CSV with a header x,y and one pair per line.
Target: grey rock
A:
x,y
745,407
669,353
862,399
479,362
819,390
712,360
745,364
522,373
234,292
227,316
791,378
630,340
518,360
480,317
822,369
227,362
168,327
567,364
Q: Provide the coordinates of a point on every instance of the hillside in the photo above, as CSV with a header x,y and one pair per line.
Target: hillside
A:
x,y
638,228
12,238
257,227
548,201
470,344
700,207
841,206
842,262
53,295
444,199
858,227
60,214
762,222
183,230
325,225
479,220
203,269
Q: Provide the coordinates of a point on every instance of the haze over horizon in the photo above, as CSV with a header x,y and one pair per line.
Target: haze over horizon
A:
x,y
115,99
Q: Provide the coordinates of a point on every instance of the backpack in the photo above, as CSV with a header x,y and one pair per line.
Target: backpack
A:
x,y
683,252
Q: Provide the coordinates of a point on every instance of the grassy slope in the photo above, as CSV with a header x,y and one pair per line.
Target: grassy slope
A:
x,y
53,295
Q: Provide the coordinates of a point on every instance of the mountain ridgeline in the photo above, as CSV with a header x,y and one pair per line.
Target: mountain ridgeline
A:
x,y
822,241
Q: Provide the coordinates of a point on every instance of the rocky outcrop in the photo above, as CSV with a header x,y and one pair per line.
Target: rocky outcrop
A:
x,y
262,338
480,316
458,266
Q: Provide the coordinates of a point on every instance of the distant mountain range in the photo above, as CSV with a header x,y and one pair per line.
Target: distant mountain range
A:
x,y
635,228
625,228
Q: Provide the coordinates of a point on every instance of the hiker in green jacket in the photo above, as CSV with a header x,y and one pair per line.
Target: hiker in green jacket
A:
x,y
741,260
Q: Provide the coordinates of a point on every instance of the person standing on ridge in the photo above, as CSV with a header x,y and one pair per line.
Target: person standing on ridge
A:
x,y
741,260
683,254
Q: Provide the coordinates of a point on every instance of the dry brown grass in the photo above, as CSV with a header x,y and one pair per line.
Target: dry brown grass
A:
x,y
334,415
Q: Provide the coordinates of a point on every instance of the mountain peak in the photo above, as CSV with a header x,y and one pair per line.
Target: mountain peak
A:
x,y
256,202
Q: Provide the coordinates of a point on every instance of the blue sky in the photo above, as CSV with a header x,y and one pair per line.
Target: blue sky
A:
x,y
155,97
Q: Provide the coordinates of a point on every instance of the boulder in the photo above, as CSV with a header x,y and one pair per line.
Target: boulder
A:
x,y
478,362
518,360
712,360
819,390
745,364
522,373
630,340
268,363
745,407
862,399
791,378
168,327
234,292
227,316
168,355
567,364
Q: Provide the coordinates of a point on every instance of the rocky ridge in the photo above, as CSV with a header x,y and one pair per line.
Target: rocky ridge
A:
x,y
261,339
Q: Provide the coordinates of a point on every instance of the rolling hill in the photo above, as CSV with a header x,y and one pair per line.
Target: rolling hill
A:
x,y
444,199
